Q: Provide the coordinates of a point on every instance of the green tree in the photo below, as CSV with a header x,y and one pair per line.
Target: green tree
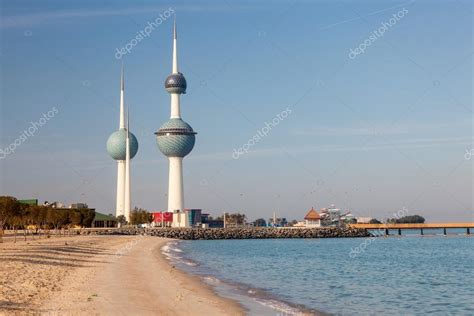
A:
x,y
17,220
39,217
9,207
148,217
235,219
140,216
411,219
122,220
75,217
87,217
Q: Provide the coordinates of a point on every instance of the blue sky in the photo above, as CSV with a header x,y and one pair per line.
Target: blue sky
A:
x,y
373,134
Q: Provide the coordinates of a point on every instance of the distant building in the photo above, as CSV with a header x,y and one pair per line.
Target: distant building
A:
x,y
188,218
211,223
194,217
78,205
332,216
312,219
102,220
278,222
300,224
363,220
214,223
348,218
162,219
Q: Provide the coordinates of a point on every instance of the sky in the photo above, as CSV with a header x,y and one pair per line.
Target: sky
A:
x,y
364,104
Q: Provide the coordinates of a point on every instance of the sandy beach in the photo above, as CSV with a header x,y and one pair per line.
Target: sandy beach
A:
x,y
101,275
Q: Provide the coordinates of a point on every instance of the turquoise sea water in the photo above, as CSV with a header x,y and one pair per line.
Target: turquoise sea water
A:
x,y
407,275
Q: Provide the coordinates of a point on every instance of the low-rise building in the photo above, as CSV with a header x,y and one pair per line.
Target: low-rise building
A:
x,y
162,219
312,218
363,220
102,220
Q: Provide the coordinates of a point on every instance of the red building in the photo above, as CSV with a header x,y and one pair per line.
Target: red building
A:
x,y
162,218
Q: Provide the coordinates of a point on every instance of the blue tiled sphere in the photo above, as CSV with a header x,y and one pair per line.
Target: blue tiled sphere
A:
x,y
175,138
176,83
116,145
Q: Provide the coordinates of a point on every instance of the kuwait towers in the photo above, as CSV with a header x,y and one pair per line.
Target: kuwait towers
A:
x,y
122,146
175,138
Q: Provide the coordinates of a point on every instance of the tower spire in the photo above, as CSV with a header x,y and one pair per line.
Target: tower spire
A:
x,y
175,50
122,79
122,97
127,198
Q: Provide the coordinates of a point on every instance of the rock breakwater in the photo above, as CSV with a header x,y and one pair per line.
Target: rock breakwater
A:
x,y
240,233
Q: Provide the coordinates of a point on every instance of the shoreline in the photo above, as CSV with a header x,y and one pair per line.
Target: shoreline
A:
x,y
255,300
102,275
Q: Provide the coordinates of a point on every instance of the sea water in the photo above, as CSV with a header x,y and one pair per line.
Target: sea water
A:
x,y
408,275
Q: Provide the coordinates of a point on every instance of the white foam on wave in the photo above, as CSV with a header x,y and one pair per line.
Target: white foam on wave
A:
x,y
174,257
281,307
167,249
190,263
211,279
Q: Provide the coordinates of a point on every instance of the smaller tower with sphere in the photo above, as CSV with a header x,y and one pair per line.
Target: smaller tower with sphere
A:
x,y
175,138
122,146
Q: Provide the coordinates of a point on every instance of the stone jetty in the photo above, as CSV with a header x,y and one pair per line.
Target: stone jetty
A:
x,y
239,233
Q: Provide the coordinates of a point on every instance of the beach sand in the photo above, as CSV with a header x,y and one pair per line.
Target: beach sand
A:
x,y
101,275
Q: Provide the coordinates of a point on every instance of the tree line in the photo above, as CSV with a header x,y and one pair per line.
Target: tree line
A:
x,y
410,219
140,216
18,216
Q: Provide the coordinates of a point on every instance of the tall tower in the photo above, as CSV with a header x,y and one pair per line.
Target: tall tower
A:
x,y
175,138
122,146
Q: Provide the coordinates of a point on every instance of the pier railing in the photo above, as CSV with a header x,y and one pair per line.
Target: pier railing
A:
x,y
393,226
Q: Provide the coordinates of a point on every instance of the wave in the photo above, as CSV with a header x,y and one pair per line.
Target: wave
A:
x,y
253,299
170,249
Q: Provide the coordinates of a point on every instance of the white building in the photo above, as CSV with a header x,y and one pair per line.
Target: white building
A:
x,y
363,220
312,219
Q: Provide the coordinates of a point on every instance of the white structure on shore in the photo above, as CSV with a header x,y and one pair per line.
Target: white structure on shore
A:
x,y
312,219
122,146
176,139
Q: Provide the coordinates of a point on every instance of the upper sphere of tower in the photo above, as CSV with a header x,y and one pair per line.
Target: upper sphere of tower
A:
x,y
176,83
116,145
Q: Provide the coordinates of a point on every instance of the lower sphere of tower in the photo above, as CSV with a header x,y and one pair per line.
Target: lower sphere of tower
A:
x,y
116,145
175,138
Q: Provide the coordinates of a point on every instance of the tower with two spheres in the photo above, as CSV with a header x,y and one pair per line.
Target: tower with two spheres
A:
x,y
175,139
122,146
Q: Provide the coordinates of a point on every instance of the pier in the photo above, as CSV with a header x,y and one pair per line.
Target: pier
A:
x,y
421,227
